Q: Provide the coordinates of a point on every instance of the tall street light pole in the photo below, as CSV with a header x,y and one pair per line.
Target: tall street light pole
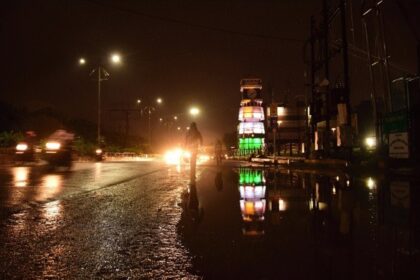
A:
x,y
102,75
99,106
100,79
149,120
149,109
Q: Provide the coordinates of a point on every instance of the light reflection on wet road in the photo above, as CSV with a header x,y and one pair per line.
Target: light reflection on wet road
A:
x,y
145,221
24,185
284,224
119,223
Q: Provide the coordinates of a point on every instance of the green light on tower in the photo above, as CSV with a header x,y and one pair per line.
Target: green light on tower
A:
x,y
250,143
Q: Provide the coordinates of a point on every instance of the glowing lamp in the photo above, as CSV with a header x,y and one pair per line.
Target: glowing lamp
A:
x,y
116,58
370,183
194,111
370,142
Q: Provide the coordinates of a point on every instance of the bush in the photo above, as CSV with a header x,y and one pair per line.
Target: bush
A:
x,y
10,138
83,147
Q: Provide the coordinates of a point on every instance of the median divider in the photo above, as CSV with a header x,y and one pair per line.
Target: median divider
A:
x,y
301,162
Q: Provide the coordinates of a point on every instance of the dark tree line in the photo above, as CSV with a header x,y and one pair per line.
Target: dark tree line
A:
x,y
15,121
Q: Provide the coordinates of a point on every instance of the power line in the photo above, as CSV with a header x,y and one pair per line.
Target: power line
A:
x,y
196,25
362,54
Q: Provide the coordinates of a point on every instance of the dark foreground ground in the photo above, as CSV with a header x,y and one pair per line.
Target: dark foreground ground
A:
x,y
146,221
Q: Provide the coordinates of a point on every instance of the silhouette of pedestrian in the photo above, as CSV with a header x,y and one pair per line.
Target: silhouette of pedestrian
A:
x,y
193,140
218,149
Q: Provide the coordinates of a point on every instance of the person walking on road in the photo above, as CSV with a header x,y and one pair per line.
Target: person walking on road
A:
x,y
193,140
218,149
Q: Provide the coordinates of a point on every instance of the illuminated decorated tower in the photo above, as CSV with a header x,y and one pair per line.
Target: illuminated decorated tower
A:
x,y
251,118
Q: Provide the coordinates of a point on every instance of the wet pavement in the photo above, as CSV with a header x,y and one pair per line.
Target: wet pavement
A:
x,y
120,229
284,224
144,220
23,186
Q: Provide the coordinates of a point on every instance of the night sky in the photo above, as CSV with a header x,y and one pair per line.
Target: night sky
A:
x,y
187,52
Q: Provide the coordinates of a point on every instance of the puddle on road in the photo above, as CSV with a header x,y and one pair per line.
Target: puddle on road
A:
x,y
271,224
26,185
247,223
51,186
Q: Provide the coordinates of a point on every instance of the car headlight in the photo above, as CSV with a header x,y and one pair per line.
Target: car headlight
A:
x,y
173,156
53,146
21,147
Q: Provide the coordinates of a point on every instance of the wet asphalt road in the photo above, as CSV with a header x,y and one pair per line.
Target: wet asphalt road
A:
x,y
106,220
144,220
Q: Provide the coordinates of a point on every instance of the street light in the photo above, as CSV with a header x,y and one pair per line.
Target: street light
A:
x,y
370,142
116,58
370,183
194,111
102,75
149,109
175,118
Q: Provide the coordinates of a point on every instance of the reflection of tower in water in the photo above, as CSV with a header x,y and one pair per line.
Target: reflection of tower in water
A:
x,y
268,197
252,200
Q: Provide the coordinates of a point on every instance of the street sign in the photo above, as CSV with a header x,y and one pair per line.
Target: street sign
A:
x,y
396,122
398,145
399,100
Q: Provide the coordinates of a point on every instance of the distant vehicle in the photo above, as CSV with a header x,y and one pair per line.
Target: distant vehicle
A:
x,y
179,156
99,154
24,153
58,154
59,150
